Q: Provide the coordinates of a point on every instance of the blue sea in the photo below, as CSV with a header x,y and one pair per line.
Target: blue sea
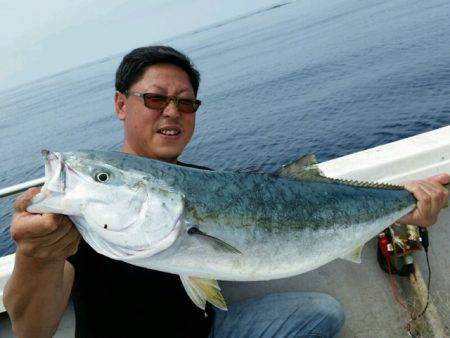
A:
x,y
330,78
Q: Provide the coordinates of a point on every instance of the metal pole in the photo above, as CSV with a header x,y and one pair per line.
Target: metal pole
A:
x,y
15,189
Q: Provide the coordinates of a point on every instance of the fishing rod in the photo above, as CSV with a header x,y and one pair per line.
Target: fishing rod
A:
x,y
18,188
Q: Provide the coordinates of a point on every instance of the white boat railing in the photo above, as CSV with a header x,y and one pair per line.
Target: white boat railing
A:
x,y
18,188
416,157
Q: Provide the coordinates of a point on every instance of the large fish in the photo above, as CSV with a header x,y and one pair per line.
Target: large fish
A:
x,y
207,226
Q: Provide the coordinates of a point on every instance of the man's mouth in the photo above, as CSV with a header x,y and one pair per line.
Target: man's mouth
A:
x,y
169,131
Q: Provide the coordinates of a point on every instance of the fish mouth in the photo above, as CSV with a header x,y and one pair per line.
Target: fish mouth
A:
x,y
50,198
55,173
51,162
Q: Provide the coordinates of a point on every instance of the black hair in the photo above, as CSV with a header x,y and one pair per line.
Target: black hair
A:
x,y
135,63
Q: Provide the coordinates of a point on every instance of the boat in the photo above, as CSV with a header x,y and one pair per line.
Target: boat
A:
x,y
362,289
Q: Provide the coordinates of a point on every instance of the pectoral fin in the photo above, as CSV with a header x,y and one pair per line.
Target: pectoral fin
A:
x,y
201,290
354,256
213,241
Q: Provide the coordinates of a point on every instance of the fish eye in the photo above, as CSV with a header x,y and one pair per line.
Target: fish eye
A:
x,y
102,176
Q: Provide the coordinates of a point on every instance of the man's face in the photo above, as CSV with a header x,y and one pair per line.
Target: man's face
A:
x,y
144,127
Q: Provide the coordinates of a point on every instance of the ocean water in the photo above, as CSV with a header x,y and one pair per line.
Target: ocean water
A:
x,y
328,78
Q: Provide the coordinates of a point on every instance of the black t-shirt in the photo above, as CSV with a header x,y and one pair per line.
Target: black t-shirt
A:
x,y
115,299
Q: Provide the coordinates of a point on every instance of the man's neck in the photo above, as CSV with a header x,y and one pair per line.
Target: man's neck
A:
x,y
126,149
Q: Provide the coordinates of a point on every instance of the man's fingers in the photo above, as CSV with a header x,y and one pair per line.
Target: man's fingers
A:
x,y
415,188
431,197
24,199
61,249
71,236
34,225
437,182
72,247
63,229
423,200
428,205
438,194
440,178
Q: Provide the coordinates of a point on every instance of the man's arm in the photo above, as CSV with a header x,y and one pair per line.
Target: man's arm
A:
x,y
38,290
431,197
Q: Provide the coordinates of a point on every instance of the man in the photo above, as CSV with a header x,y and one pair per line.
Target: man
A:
x,y
156,89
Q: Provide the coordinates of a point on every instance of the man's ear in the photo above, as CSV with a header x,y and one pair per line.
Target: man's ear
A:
x,y
120,105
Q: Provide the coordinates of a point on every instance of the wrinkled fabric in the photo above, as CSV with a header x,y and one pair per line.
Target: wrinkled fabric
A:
x,y
293,314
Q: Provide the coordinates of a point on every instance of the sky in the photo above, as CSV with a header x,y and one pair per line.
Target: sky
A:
x,y
40,38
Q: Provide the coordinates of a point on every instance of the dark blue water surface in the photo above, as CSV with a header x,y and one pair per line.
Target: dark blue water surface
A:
x,y
328,78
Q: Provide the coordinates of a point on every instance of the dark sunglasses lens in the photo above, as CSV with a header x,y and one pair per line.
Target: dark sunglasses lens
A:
x,y
155,101
187,106
158,102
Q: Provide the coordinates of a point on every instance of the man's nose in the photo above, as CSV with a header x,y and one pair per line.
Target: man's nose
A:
x,y
171,110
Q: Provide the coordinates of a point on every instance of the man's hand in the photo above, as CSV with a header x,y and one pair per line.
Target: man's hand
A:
x,y
46,237
431,198
38,290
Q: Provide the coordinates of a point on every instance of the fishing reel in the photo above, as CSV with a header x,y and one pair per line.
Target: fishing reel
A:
x,y
396,244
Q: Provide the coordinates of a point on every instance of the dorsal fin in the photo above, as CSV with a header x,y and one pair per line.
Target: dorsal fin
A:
x,y
365,184
303,168
306,168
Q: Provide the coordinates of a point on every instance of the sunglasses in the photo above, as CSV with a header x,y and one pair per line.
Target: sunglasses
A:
x,y
160,102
